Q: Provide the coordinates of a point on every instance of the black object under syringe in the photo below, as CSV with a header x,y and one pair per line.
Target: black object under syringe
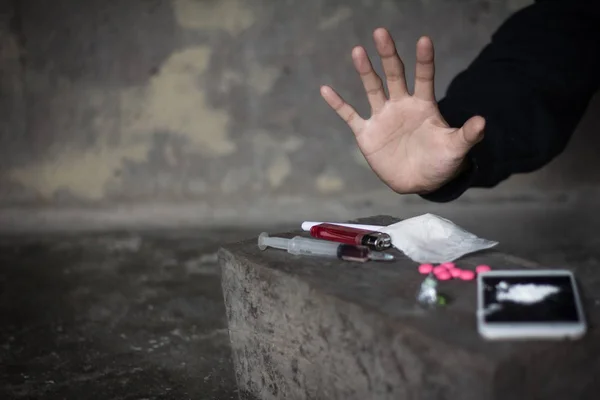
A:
x,y
313,247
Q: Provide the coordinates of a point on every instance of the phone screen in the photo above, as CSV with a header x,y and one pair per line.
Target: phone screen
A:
x,y
529,299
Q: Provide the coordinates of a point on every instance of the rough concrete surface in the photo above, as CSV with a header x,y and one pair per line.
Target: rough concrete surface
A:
x,y
140,314
114,316
166,101
306,328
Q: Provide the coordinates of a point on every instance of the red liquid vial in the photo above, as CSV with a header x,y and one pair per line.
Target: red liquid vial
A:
x,y
354,236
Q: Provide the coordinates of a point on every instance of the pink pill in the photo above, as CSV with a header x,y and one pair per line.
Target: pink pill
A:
x,y
425,268
448,265
467,275
439,269
443,275
482,268
455,272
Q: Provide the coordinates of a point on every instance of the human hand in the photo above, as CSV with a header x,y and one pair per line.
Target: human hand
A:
x,y
407,142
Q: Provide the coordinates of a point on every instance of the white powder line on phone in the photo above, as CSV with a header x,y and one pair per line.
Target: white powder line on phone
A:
x,y
524,293
492,308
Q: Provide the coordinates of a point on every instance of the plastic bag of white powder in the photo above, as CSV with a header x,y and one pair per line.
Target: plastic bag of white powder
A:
x,y
429,238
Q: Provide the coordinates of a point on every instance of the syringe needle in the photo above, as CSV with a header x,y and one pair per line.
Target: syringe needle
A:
x,y
313,247
380,256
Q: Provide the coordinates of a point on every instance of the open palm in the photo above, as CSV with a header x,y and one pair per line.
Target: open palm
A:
x,y
407,142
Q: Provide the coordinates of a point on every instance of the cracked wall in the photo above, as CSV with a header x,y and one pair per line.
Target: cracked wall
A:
x,y
215,101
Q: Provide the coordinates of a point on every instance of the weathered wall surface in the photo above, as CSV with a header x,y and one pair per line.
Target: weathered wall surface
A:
x,y
145,101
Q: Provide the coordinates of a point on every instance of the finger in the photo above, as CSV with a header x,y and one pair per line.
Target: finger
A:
x,y
371,81
424,73
470,134
392,64
343,109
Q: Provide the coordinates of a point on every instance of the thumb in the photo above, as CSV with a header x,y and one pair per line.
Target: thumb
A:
x,y
471,132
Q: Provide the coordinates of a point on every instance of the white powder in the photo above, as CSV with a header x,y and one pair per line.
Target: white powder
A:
x,y
526,294
429,238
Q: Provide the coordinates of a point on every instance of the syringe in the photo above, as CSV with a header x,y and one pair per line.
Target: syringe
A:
x,y
313,247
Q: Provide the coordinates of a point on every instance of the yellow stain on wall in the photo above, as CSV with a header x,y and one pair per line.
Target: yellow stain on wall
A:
x,y
277,152
175,102
265,140
83,174
233,16
327,183
262,79
279,170
292,143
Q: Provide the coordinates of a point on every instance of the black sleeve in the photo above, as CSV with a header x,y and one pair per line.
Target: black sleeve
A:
x,y
532,84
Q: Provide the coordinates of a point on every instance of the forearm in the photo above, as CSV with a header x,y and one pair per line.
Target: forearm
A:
x,y
532,84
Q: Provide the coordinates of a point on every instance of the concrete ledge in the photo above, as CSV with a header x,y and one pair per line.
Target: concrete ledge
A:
x,y
268,210
308,328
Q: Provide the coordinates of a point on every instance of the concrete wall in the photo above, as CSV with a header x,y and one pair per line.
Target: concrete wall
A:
x,y
217,102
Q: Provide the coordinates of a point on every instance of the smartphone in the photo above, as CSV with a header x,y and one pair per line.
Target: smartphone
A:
x,y
529,304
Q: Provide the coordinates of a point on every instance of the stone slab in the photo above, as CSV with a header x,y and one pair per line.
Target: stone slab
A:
x,y
311,328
